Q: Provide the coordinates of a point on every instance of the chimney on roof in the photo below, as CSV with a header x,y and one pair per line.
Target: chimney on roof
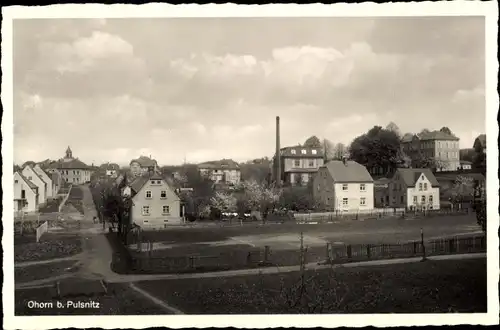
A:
x,y
277,167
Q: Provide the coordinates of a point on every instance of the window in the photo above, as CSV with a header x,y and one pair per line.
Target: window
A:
x,y
77,172
415,200
304,151
362,187
296,163
431,199
294,152
23,194
145,210
314,151
420,186
423,199
345,201
311,163
345,187
402,199
163,194
166,209
425,185
153,181
149,194
16,181
362,201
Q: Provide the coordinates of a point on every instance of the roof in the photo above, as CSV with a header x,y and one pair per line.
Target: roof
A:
x,y
438,135
140,181
220,164
144,161
28,182
408,137
301,152
72,164
465,162
482,139
411,175
110,166
351,171
36,174
43,171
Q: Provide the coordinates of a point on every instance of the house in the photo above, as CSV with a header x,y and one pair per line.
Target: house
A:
x,y
154,202
142,165
73,170
465,165
221,171
440,146
111,170
299,164
344,186
381,192
33,176
56,182
26,197
47,179
480,143
414,188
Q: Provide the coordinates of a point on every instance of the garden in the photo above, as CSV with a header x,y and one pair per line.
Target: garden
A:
x,y
50,246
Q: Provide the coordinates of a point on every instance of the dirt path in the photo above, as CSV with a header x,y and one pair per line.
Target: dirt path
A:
x,y
49,261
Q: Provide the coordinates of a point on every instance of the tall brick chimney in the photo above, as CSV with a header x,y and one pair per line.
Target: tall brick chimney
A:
x,y
277,168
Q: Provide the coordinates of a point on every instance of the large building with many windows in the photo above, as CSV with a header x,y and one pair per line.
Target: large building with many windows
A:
x,y
299,164
443,148
72,170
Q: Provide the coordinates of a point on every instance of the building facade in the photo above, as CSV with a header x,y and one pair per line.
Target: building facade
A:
x,y
299,164
414,189
443,148
154,202
72,170
344,186
225,171
142,165
26,197
33,177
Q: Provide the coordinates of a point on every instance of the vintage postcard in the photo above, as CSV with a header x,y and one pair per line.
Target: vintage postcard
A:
x,y
199,165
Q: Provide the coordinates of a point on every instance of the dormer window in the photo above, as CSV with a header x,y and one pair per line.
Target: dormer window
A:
x,y
294,152
304,151
314,151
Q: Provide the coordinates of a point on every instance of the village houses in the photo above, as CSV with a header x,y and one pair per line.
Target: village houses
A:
x,y
344,186
414,189
155,203
142,165
221,171
26,197
32,176
46,178
72,170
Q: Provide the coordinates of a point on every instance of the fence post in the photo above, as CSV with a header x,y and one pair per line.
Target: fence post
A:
x,y
451,245
349,251
424,256
329,251
266,253
369,251
249,258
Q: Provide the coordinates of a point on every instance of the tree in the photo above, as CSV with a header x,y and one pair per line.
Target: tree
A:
x,y
258,170
378,149
261,197
202,186
392,127
313,142
328,150
462,190
340,151
480,205
446,130
423,132
297,199
224,202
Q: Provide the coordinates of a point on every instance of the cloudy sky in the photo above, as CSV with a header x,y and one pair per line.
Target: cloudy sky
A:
x,y
210,88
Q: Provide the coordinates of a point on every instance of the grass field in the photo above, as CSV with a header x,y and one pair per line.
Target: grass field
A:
x,y
427,287
42,271
50,246
119,300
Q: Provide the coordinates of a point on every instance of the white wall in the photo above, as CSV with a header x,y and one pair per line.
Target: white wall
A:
x,y
30,195
46,178
31,175
430,191
354,195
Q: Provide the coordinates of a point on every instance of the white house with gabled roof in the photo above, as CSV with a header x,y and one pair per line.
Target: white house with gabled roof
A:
x,y
155,203
414,188
33,176
46,178
25,194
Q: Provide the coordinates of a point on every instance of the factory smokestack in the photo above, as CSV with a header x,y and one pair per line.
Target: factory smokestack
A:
x,y
277,169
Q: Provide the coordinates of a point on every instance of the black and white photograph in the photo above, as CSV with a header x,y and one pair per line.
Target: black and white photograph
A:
x,y
221,162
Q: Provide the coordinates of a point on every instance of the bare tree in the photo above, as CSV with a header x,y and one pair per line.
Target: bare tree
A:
x,y
340,151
